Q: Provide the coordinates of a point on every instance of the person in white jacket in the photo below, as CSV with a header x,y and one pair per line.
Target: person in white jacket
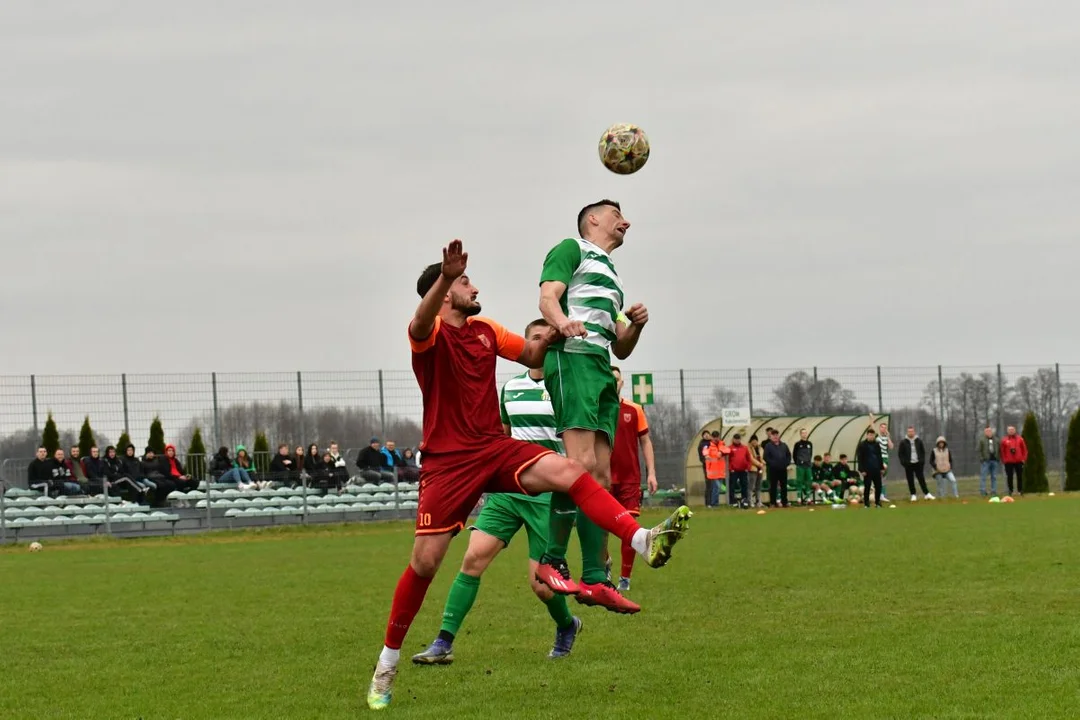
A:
x,y
941,464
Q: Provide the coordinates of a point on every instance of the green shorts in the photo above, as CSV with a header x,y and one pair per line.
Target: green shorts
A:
x,y
583,392
504,514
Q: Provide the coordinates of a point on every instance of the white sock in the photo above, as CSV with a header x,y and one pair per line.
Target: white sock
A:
x,y
389,657
640,540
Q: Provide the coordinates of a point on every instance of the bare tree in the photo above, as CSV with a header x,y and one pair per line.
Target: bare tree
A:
x,y
801,394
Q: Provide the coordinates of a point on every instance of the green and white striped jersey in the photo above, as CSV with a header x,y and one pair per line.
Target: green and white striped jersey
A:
x,y
594,293
525,406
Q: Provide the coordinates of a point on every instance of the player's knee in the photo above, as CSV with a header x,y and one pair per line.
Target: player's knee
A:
x,y
474,564
567,474
426,560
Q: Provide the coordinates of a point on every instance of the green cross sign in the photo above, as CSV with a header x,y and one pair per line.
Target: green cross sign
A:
x,y
641,386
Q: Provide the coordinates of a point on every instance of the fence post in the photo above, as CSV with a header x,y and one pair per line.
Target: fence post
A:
x,y
941,401
382,407
750,389
1062,422
33,401
880,397
300,403
1000,400
217,416
3,522
123,389
682,393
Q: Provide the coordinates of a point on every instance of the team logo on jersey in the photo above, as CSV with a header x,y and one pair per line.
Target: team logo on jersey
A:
x,y
627,417
545,396
484,339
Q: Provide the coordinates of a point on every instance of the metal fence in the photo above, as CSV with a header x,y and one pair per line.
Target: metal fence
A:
x,y
349,407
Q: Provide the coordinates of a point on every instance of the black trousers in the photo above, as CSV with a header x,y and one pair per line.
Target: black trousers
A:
x,y
740,478
872,478
913,472
1018,470
777,485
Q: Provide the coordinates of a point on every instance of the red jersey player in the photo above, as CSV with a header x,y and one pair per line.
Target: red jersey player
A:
x,y
467,454
631,434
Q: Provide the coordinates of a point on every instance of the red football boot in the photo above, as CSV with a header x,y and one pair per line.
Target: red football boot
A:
x,y
607,596
556,575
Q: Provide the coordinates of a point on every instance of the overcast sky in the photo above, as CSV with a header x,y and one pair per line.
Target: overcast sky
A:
x,y
256,185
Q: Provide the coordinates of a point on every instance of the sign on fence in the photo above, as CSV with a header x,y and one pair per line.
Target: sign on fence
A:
x,y
642,387
735,417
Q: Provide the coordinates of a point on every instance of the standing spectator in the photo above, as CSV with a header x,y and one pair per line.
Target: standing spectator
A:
x,y
941,464
912,454
777,457
757,469
94,467
62,482
281,467
411,472
39,472
871,466
989,456
803,455
1014,454
702,448
740,462
394,461
176,474
370,461
715,469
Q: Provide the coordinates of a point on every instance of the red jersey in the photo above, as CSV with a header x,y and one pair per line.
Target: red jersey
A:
x,y
740,458
455,368
625,460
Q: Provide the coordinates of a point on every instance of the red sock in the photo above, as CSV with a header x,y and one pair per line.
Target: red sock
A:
x,y
602,508
408,597
628,555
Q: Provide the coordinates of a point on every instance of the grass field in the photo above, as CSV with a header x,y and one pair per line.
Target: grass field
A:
x,y
929,611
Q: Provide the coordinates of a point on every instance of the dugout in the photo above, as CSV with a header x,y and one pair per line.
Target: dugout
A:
x,y
834,434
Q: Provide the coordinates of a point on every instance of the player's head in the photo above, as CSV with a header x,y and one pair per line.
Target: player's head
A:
x,y
461,296
618,378
536,329
827,457
843,459
884,428
817,459
603,222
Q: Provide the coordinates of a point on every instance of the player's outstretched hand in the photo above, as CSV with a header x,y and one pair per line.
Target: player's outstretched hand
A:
x,y
454,260
573,328
638,314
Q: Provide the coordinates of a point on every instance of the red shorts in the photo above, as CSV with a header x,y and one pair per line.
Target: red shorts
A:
x,y
451,483
628,495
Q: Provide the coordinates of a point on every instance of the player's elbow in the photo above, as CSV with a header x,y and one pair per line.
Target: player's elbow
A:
x,y
620,351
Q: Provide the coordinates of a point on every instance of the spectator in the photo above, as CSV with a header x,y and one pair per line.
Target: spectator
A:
x,y
702,447
824,486
803,455
912,454
411,473
989,456
224,470
777,457
371,461
715,470
871,464
313,462
121,482
941,464
152,471
174,471
1014,454
394,460
337,476
246,465
39,472
336,457
740,463
61,480
94,468
298,461
757,469
133,470
78,472
282,467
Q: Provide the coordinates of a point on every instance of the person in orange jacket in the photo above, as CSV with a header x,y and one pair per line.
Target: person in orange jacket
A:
x,y
1014,454
715,468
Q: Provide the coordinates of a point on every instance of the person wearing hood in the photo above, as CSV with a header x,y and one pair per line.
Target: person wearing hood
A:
x,y
224,470
133,469
941,464
152,470
174,470
244,463
120,482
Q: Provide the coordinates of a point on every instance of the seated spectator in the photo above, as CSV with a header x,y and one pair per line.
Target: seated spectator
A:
x,y
78,472
61,481
313,462
151,471
282,468
247,465
224,470
120,481
133,470
335,456
372,463
850,481
410,472
39,472
394,462
174,471
337,476
94,469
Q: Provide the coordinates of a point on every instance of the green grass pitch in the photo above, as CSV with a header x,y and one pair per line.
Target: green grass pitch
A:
x,y
930,611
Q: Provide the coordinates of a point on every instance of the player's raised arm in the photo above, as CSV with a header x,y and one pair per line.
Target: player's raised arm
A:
x,y
454,262
628,331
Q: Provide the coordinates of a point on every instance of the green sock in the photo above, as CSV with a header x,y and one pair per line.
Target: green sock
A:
x,y
559,611
593,541
560,524
459,602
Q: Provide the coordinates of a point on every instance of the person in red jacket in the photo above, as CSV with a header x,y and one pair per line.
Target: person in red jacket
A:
x,y
739,463
1014,454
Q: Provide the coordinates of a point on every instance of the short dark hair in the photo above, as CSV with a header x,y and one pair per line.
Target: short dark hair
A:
x,y
871,431
584,212
817,457
716,433
704,433
737,436
843,456
538,322
428,278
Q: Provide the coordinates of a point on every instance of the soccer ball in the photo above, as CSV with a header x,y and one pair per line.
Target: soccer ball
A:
x,y
624,149
35,547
